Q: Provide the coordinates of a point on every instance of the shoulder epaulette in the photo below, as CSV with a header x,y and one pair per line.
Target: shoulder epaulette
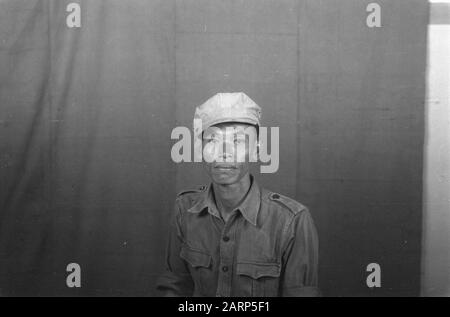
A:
x,y
294,206
194,190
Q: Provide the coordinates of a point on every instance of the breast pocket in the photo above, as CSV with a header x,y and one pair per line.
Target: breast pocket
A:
x,y
259,279
200,267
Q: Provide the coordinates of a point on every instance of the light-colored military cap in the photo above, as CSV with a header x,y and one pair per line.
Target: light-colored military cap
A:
x,y
227,107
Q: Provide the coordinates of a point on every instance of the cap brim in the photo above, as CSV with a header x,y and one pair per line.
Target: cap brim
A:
x,y
230,120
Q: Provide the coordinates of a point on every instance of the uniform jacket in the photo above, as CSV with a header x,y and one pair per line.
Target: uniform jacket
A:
x,y
268,247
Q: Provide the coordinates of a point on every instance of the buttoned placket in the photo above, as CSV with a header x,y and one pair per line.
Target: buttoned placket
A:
x,y
226,252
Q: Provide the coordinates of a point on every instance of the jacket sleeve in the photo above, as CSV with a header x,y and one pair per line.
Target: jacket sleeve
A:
x,y
176,279
300,258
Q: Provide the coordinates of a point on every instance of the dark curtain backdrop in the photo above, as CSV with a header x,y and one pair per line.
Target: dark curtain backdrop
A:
x,y
86,117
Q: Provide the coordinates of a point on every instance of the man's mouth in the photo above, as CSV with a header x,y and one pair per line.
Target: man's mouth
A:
x,y
224,167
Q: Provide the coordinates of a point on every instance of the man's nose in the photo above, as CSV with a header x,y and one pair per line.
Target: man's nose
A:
x,y
227,149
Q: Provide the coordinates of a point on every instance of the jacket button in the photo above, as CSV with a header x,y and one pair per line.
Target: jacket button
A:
x,y
225,268
226,238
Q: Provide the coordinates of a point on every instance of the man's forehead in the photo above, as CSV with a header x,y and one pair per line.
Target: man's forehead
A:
x,y
231,127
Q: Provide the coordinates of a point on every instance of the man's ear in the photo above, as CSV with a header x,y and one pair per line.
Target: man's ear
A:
x,y
198,148
255,154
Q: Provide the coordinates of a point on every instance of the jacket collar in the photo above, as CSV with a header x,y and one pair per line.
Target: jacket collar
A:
x,y
249,207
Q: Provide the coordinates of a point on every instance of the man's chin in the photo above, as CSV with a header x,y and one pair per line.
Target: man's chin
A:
x,y
224,179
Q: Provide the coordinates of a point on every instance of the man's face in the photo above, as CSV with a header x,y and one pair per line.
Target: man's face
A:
x,y
228,149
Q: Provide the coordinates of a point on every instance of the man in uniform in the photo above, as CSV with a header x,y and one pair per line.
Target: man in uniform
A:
x,y
232,237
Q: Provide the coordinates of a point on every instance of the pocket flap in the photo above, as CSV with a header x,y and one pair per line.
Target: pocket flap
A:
x,y
258,270
195,258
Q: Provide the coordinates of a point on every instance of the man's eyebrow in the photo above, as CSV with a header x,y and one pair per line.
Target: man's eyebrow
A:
x,y
211,136
242,131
